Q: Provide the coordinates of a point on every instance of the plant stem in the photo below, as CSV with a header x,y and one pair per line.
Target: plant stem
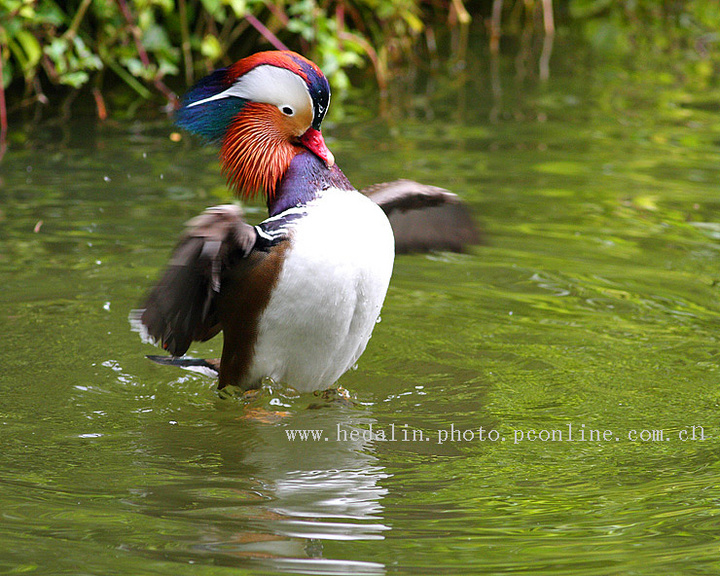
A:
x,y
99,103
159,84
380,72
79,15
463,15
495,30
3,112
128,78
549,23
187,52
269,36
278,12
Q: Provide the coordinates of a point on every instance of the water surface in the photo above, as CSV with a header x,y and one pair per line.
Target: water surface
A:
x,y
592,307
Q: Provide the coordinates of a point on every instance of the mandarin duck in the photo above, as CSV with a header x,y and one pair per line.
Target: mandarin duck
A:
x,y
298,295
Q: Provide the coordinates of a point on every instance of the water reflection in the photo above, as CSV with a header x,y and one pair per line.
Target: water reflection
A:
x,y
251,495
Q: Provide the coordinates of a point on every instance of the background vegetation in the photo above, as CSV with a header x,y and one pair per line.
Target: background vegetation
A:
x,y
144,49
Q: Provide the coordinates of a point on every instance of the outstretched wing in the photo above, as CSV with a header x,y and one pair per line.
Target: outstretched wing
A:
x,y
424,218
182,307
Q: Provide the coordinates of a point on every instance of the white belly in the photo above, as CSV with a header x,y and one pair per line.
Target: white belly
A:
x,y
329,293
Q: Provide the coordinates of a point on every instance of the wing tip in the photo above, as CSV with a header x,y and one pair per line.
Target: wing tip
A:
x,y
137,325
199,365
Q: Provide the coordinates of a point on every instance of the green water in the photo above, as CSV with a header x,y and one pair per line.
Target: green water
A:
x,y
592,307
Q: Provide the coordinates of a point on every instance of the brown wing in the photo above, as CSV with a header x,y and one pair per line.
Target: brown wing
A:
x,y
424,218
182,307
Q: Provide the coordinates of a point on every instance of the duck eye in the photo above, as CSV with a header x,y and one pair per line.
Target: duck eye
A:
x,y
287,110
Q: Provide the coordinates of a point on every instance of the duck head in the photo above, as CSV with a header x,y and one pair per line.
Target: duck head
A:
x,y
263,110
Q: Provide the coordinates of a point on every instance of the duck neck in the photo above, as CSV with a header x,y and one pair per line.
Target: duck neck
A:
x,y
306,178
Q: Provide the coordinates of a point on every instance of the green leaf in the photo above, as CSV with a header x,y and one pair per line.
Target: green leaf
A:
x,y
49,13
416,25
134,66
155,39
240,7
31,48
167,68
26,12
211,48
55,49
7,75
74,79
215,9
167,6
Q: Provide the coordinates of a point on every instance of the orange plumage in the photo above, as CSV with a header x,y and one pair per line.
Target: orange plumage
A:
x,y
256,151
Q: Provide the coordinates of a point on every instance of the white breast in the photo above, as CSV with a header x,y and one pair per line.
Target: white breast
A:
x,y
329,294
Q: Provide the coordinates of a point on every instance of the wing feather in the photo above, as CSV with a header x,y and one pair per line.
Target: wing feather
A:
x,y
423,217
182,307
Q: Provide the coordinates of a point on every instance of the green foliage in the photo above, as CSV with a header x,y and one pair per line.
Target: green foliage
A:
x,y
144,41
72,60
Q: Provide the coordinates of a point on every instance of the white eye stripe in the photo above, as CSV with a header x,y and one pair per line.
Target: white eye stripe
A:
x,y
269,85
219,96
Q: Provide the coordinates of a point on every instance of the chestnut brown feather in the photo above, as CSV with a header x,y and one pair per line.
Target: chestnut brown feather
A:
x,y
245,295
